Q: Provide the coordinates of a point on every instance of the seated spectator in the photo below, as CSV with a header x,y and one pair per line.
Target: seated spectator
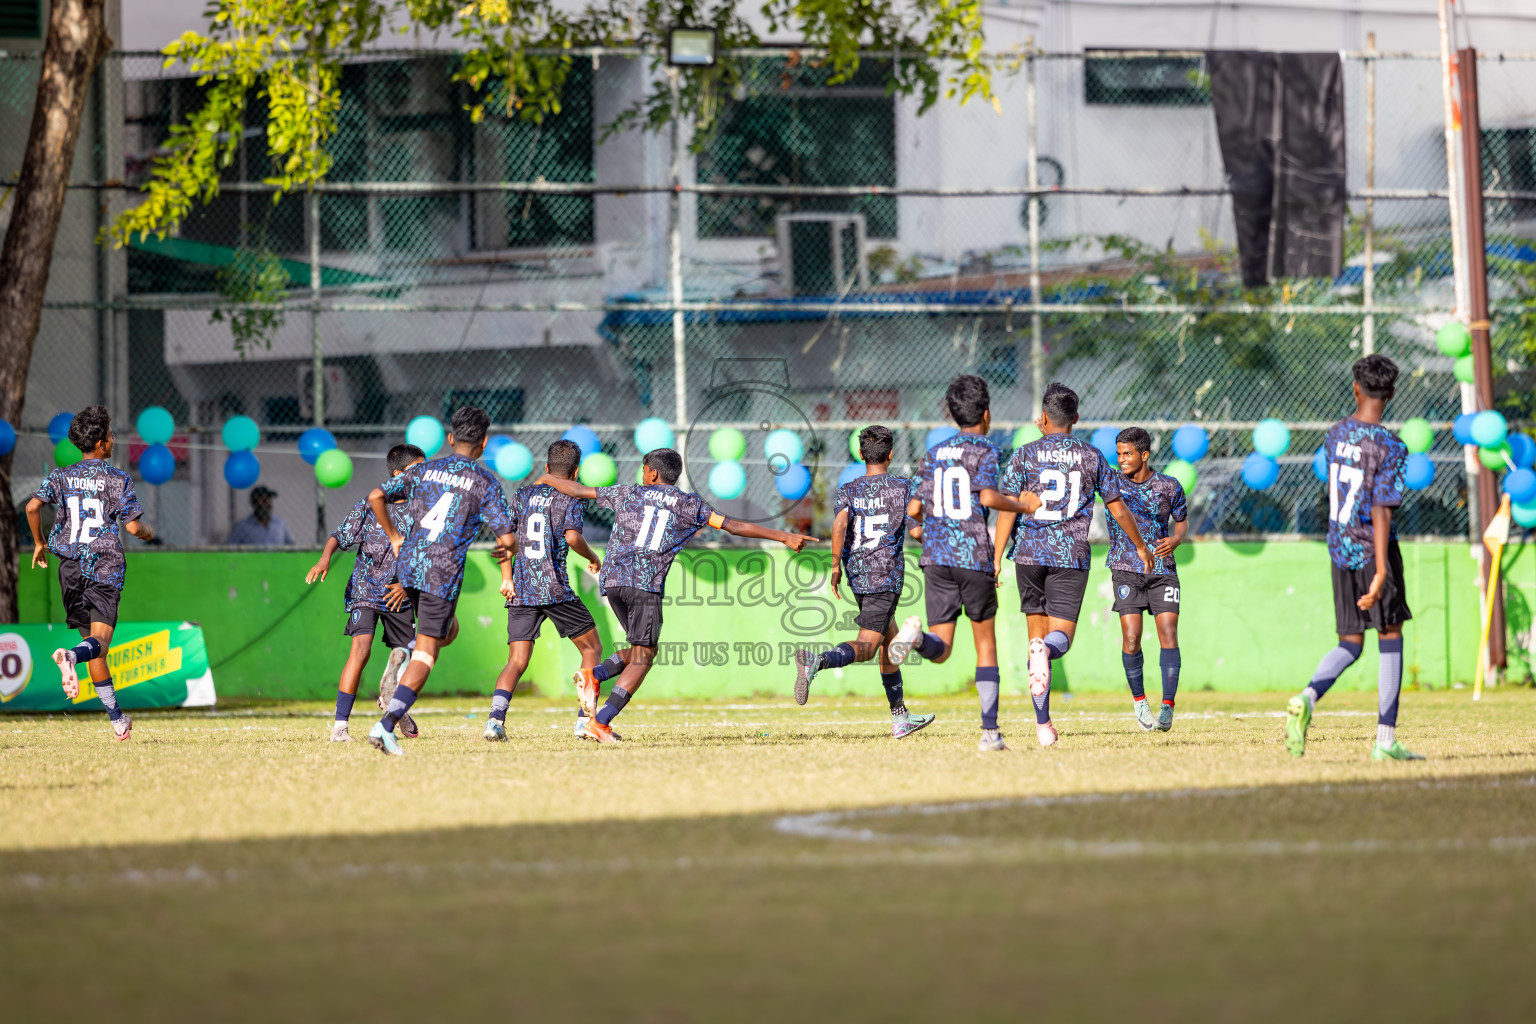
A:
x,y
262,528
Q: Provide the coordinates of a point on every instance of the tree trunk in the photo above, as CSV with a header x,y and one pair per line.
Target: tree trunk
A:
x,y
77,41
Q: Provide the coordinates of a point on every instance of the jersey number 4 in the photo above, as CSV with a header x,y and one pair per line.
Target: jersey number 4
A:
x,y
653,527
867,532
1056,483
437,519
1342,509
82,528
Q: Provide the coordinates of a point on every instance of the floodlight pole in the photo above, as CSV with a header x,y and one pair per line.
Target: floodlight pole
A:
x,y
1032,172
675,274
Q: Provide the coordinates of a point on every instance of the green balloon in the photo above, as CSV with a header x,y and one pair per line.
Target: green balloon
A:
x,y
640,474
853,444
1493,457
1417,434
1025,434
1454,339
1463,370
727,445
333,468
598,470
1184,473
65,453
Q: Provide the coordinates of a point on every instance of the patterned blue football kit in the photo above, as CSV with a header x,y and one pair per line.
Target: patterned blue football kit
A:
x,y
650,526
873,544
540,517
1365,471
374,569
956,557
1156,503
95,502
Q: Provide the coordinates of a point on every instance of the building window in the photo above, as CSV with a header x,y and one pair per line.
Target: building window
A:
x,y
21,19
1146,81
786,126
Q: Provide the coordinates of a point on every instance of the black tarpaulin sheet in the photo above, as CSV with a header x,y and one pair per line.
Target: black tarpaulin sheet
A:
x,y
1280,122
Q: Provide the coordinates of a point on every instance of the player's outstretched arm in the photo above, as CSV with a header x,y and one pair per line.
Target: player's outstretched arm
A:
x,y
1381,533
35,522
1164,547
1127,523
577,543
793,541
839,531
1000,535
323,565
573,488
1024,504
140,529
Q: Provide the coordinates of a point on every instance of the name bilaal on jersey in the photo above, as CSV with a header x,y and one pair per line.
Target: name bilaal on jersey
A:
x,y
375,565
949,483
540,517
873,541
1155,503
1066,473
448,500
95,501
650,526
1365,469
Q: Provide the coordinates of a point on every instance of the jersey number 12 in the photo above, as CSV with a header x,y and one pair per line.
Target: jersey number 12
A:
x,y
83,530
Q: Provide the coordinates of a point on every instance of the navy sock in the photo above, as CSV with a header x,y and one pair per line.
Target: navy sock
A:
x,y
894,695
499,701
929,646
838,656
399,704
617,698
1389,681
1170,662
108,697
987,680
1331,667
1042,706
1058,643
344,705
606,670
1133,663
86,650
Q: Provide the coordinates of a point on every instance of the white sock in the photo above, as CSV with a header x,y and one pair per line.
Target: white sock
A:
x,y
1311,696
1386,734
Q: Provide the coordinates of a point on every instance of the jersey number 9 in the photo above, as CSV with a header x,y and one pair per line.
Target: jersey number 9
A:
x,y
533,535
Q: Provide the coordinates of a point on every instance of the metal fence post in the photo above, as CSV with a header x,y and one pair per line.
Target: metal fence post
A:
x,y
1032,158
675,273
1368,325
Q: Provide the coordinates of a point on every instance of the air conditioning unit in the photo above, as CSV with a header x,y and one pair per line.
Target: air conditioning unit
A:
x,y
340,399
822,253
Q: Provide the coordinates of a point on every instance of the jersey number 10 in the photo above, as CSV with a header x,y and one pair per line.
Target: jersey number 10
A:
x,y
951,493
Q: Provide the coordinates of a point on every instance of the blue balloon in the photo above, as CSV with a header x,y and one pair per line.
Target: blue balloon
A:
x,y
315,441
1522,450
494,445
513,461
241,470
1520,485
1190,443
1271,438
7,438
58,427
1104,440
653,432
727,480
937,436
794,482
1320,466
1419,472
1260,472
1461,427
1489,429
850,473
585,438
157,464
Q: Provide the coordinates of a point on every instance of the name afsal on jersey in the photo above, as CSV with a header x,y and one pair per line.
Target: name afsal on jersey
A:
x,y
438,476
86,483
1345,450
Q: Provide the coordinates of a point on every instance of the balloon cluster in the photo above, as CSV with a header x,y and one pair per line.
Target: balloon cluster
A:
x,y
1190,445
1455,340
155,426
1271,438
1498,449
333,467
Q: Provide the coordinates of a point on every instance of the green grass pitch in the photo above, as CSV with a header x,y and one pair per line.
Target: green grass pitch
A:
x,y
760,861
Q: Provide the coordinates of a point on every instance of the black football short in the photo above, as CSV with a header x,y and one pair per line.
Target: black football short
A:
x,y
434,615
876,611
85,601
1136,592
948,590
1052,590
524,621
399,627
1349,585
640,613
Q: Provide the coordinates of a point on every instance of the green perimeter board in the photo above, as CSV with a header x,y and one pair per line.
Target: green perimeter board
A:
x,y
1256,617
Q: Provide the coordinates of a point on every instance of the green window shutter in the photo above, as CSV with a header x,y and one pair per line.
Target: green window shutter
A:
x,y
21,19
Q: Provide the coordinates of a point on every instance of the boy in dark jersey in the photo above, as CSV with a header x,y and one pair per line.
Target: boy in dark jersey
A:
x,y
651,522
373,595
1155,500
1050,546
95,503
955,486
547,524
447,500
875,506
1365,483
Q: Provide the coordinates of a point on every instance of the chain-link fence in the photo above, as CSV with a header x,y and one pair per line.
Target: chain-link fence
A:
x,y
841,259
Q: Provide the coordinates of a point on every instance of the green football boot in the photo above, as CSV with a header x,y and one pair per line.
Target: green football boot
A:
x,y
1144,716
906,726
1394,751
1298,718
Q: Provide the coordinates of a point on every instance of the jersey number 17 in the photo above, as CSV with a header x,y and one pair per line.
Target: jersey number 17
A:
x,y
1342,510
